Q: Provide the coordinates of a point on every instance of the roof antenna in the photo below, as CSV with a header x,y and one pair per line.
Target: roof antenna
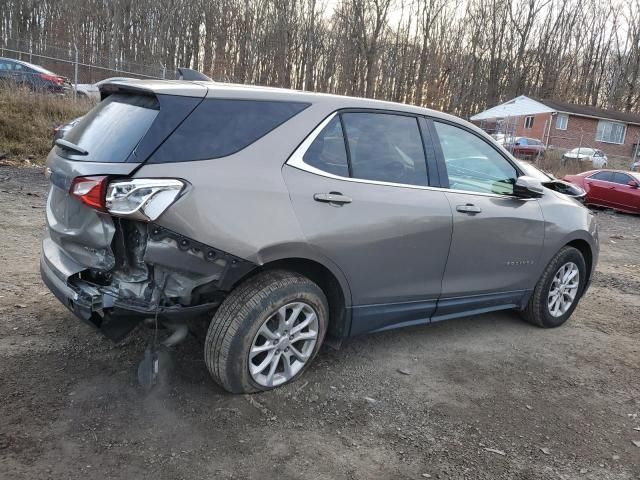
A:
x,y
192,75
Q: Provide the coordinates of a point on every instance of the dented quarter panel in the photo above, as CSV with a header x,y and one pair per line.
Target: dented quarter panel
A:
x,y
226,204
82,233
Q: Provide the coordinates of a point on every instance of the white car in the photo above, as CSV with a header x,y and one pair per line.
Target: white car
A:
x,y
583,154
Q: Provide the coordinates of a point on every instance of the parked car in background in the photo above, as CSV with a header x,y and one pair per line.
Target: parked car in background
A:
x,y
584,154
526,147
551,182
23,74
159,219
614,189
502,138
92,90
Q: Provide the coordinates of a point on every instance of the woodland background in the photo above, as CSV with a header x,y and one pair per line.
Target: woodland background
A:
x,y
452,55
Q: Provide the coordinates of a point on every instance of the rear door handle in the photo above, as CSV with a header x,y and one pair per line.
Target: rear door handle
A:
x,y
333,197
468,208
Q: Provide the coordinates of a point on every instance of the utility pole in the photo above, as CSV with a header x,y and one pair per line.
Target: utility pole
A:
x,y
75,74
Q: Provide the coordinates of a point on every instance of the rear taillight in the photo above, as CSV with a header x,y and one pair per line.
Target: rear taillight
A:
x,y
139,198
142,198
90,190
52,78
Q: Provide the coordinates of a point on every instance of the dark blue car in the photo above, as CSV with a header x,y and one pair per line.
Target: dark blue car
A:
x,y
34,77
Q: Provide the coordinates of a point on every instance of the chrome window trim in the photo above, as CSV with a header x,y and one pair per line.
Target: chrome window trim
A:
x,y
296,160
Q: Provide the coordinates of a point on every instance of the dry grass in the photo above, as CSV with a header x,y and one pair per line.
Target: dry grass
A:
x,y
27,121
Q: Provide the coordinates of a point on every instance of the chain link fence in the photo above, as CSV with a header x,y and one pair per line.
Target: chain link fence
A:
x,y
77,64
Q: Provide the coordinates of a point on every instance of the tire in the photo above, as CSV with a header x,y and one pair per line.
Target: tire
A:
x,y
257,303
538,311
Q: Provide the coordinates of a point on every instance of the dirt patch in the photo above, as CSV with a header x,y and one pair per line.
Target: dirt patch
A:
x,y
486,397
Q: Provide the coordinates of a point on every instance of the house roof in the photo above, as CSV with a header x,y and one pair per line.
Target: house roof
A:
x,y
524,105
589,111
516,107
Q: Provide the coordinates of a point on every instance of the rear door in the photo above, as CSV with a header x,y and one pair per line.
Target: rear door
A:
x,y
497,238
359,188
623,195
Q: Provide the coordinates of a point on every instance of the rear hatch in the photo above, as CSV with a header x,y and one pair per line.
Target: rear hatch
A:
x,y
113,140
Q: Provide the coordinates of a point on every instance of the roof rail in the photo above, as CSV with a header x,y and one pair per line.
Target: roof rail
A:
x,y
192,75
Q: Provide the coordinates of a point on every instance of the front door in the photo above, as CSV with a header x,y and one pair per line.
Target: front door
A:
x,y
497,238
364,204
598,187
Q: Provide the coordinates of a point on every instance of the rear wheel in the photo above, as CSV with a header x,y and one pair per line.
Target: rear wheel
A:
x,y
558,291
266,332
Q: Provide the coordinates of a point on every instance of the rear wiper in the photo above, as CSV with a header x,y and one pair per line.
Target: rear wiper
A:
x,y
62,143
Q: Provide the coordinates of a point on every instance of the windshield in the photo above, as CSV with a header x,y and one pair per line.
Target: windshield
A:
x,y
531,171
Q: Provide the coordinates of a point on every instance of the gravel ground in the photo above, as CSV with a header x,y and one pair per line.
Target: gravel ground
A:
x,y
486,397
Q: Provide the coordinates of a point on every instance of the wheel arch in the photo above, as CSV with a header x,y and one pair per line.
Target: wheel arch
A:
x,y
318,269
587,253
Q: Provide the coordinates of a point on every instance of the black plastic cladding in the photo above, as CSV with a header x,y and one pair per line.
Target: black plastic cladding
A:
x,y
235,269
174,109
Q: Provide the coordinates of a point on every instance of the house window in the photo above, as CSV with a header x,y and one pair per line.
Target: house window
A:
x,y
561,121
528,121
611,132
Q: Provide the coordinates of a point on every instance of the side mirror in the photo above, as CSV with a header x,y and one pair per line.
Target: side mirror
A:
x,y
517,143
633,184
528,187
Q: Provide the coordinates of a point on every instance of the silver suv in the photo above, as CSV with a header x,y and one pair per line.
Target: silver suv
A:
x,y
289,218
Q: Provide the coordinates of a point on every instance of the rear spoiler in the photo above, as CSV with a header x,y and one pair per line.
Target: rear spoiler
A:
x,y
153,87
192,75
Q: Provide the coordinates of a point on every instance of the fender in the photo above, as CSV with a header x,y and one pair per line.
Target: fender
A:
x,y
300,250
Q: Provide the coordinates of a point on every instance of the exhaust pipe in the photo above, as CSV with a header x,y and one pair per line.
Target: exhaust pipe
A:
x,y
180,332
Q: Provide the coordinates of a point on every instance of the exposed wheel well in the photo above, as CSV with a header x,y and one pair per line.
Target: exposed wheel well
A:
x,y
586,252
326,280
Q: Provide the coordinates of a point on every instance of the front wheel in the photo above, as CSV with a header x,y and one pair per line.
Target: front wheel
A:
x,y
266,332
558,291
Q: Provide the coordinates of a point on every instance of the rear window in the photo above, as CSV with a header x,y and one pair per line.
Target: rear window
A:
x,y
113,129
221,127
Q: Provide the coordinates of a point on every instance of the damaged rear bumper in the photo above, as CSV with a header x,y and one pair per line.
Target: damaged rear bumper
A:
x,y
106,309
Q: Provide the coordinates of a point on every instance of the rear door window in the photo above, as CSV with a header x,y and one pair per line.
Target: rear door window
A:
x,y
221,127
621,178
385,147
328,152
113,129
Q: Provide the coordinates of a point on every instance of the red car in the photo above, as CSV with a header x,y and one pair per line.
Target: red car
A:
x,y
523,147
610,188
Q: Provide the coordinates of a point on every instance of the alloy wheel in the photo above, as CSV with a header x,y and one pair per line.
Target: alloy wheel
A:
x,y
563,289
283,345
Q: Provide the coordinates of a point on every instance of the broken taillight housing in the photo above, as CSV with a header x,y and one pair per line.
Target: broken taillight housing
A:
x,y
139,198
142,198
90,190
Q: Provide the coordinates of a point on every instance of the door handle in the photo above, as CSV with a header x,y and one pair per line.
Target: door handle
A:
x,y
468,208
335,198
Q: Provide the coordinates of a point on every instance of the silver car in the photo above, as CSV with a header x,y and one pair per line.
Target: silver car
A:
x,y
583,154
287,219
